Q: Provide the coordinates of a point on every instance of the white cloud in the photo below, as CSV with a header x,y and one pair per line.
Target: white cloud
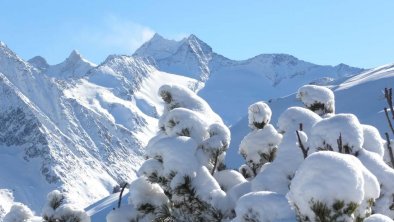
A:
x,y
115,35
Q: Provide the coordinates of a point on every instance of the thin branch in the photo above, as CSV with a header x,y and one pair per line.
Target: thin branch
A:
x,y
301,128
390,150
121,193
388,94
301,145
339,141
388,120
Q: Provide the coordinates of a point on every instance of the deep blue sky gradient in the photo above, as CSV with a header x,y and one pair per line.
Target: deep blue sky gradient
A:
x,y
358,33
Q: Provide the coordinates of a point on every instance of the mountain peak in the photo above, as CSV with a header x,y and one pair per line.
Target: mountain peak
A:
x,y
156,36
75,56
2,44
39,62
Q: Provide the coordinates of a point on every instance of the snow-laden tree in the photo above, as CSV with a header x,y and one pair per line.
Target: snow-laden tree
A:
x,y
20,213
319,99
330,186
177,180
57,209
260,145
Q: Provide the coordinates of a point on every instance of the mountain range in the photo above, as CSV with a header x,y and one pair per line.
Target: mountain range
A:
x,y
82,127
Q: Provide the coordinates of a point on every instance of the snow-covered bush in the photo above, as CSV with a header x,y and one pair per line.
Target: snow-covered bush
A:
x,y
260,145
319,99
330,186
19,213
58,210
263,206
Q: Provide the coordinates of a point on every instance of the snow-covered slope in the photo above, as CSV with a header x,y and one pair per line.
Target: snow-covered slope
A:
x,y
229,82
361,95
74,126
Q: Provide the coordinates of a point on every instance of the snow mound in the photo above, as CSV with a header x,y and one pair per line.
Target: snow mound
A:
x,y
378,218
319,99
372,140
227,179
291,118
326,133
176,96
338,182
19,213
263,206
143,192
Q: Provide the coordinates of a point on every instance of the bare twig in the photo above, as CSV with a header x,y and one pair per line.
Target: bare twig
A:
x,y
388,94
339,141
121,193
301,145
301,128
388,120
390,149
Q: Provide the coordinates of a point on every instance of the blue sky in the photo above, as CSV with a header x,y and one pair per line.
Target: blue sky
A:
x,y
359,33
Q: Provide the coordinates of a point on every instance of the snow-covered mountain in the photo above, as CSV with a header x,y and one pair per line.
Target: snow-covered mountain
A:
x,y
361,95
75,126
229,82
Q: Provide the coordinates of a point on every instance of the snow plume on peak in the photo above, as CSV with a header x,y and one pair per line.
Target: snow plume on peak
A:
x,y
75,66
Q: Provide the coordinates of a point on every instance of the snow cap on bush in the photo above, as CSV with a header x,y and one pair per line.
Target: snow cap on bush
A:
x,y
228,179
336,183
291,118
259,146
378,218
68,212
176,154
175,96
185,122
259,115
143,192
319,99
263,206
326,134
372,140
219,137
